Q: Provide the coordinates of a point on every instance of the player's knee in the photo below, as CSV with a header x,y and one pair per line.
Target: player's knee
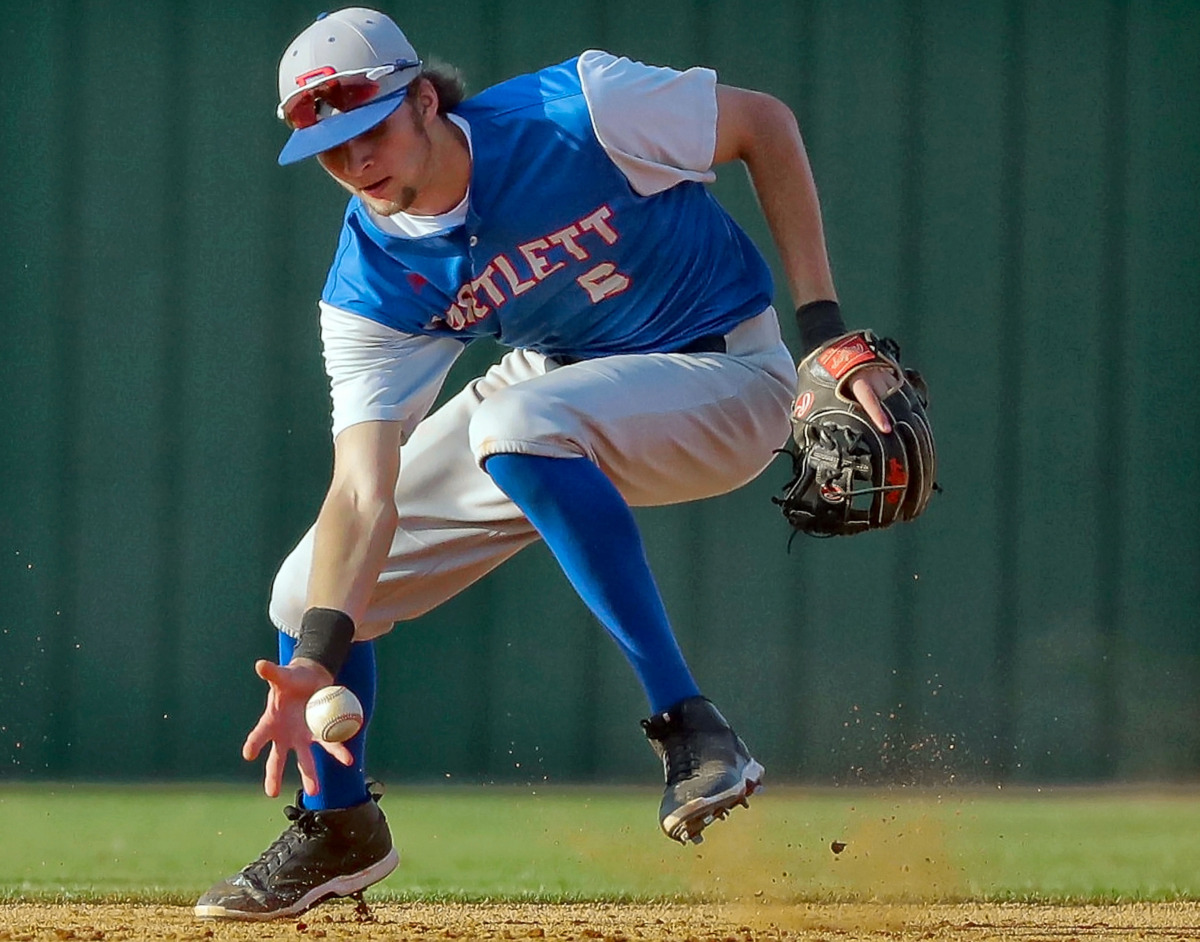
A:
x,y
517,419
289,591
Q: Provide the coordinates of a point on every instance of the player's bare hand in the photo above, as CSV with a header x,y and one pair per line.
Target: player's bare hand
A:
x,y
869,388
282,724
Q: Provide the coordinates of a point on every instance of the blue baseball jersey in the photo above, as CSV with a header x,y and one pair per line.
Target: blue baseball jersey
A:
x,y
558,253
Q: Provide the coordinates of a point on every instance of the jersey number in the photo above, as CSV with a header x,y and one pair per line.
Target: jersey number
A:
x,y
603,281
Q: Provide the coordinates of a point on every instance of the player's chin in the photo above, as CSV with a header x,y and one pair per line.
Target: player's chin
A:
x,y
384,199
381,207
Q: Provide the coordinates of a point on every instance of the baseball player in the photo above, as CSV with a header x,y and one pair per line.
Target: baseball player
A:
x,y
564,214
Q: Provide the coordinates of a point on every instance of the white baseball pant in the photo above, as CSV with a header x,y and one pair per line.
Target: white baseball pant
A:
x,y
664,427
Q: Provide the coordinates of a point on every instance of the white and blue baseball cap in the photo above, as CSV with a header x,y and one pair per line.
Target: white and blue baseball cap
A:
x,y
340,77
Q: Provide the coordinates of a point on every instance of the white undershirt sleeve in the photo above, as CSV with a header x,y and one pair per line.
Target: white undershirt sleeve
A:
x,y
380,374
657,124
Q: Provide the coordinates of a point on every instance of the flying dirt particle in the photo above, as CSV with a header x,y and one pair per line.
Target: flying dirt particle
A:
x,y
837,846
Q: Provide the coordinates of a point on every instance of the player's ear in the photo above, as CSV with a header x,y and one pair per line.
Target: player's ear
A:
x,y
425,98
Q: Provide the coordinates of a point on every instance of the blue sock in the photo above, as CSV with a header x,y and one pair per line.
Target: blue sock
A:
x,y
592,533
343,786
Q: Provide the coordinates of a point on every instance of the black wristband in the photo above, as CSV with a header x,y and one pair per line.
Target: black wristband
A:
x,y
325,637
819,321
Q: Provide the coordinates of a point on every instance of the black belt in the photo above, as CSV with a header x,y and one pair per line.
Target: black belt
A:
x,y
709,343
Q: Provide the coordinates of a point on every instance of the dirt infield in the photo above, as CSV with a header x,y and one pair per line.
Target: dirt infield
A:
x,y
1148,922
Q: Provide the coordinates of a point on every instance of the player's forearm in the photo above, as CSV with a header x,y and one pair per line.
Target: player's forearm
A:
x,y
784,184
762,132
352,541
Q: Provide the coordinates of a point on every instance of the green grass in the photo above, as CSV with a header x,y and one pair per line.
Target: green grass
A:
x,y
168,844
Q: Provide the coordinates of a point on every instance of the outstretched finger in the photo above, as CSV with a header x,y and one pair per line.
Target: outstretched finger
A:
x,y
308,770
269,671
255,740
273,776
260,735
338,751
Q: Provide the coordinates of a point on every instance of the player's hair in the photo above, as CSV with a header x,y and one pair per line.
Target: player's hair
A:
x,y
447,81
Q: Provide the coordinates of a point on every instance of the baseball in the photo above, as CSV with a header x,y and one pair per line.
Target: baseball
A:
x,y
334,714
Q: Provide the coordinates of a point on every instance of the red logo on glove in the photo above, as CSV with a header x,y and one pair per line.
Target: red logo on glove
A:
x,y
833,492
845,355
896,476
803,404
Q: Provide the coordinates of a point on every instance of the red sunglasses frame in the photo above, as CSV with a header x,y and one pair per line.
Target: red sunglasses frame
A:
x,y
341,93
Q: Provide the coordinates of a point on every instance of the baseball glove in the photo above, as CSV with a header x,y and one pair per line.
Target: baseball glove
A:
x,y
847,476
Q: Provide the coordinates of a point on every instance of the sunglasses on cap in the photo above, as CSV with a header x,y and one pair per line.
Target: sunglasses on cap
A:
x,y
338,93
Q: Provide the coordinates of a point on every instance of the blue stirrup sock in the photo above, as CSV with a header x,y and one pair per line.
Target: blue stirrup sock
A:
x,y
343,786
593,534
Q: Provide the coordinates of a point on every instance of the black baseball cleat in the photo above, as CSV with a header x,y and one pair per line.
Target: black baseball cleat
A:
x,y
321,854
707,767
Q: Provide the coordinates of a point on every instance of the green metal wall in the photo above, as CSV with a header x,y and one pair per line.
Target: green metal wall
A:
x,y
1010,187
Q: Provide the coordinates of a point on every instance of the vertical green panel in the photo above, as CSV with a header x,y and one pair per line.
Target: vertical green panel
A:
x,y
1060,344
619,747
542,658
162,743
762,46
1113,325
31,503
952,336
434,713
1006,450
123,167
672,32
430,713
1160,651
528,37
463,33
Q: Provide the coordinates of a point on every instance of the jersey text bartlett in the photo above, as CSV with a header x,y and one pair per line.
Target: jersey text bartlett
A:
x,y
540,258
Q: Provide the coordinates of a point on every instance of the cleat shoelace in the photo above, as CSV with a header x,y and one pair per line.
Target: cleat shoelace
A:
x,y
681,760
305,824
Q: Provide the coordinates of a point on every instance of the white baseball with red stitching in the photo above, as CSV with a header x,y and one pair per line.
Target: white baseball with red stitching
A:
x,y
334,714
